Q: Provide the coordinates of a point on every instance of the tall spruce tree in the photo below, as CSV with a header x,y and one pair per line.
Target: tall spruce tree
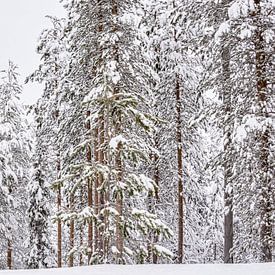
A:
x,y
106,85
39,200
14,159
245,27
53,54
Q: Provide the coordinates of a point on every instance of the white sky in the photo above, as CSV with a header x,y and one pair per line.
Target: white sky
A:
x,y
21,22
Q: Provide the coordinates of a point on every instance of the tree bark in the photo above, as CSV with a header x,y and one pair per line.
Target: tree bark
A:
x,y
59,227
9,255
90,192
101,160
228,162
81,230
118,161
96,195
227,150
119,208
180,172
156,199
263,137
72,233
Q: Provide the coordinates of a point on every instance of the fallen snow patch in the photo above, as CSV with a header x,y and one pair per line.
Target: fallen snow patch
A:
x,y
208,269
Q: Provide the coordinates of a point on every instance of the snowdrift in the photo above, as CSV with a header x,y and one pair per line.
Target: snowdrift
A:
x,y
214,269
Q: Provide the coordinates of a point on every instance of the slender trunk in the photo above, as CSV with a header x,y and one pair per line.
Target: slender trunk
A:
x,y
101,159
156,199
58,172
59,226
59,230
180,172
90,225
9,255
152,200
263,137
72,233
228,162
90,192
118,161
157,67
81,230
96,195
81,244
119,207
179,160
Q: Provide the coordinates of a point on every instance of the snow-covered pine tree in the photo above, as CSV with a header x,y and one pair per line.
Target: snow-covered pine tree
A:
x,y
250,28
14,160
177,89
217,82
147,24
110,84
245,27
40,255
51,47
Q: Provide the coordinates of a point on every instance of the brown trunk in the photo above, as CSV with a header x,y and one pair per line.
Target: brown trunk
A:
x,y
90,225
100,132
9,255
180,172
228,162
152,200
81,244
119,200
71,257
263,137
59,230
59,226
96,188
90,192
101,159
119,206
81,230
156,179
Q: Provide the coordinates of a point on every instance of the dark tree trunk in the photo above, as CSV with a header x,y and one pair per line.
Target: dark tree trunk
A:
x,y
180,172
263,137
90,190
9,255
227,162
101,160
59,228
96,195
72,233
81,229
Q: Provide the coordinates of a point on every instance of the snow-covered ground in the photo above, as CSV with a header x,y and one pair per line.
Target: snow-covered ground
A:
x,y
217,269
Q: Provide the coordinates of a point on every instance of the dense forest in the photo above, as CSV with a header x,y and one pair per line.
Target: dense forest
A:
x,y
153,141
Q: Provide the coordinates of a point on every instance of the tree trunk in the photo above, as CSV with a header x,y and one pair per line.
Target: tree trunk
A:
x,y
59,231
119,208
58,172
180,171
90,192
118,165
263,137
81,230
152,200
227,162
72,233
9,255
156,199
101,160
96,198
